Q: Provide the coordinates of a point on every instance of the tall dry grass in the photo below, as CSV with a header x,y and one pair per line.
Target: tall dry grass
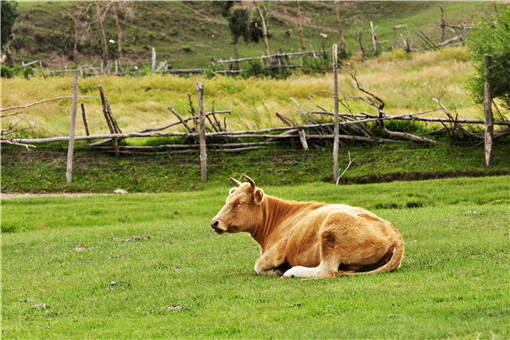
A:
x,y
407,83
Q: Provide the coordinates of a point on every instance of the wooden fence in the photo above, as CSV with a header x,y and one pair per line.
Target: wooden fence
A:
x,y
207,132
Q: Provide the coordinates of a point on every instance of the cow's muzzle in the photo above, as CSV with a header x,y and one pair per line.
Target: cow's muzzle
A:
x,y
215,225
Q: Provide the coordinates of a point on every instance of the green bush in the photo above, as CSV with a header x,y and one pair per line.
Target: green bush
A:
x,y
255,68
5,71
318,64
493,39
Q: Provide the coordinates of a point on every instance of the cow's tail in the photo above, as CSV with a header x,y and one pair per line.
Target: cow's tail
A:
x,y
393,263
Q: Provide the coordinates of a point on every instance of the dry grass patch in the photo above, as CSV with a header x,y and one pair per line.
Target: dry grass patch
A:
x,y
407,83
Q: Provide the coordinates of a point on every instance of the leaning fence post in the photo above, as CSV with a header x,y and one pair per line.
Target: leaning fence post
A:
x,y
70,148
84,116
336,131
489,119
203,150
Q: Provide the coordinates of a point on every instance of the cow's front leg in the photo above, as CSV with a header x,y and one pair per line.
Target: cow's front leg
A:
x,y
271,263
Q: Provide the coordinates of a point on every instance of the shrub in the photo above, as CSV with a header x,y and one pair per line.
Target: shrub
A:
x,y
5,71
492,39
316,64
397,54
256,68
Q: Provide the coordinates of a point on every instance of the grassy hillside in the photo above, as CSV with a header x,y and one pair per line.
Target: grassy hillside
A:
x,y
149,266
407,83
188,34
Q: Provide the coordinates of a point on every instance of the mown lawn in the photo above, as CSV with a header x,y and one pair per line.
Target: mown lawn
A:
x,y
160,252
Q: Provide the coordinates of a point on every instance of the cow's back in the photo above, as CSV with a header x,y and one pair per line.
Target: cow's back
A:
x,y
301,231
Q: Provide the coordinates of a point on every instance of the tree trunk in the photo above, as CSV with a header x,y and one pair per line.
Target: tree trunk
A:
x,y
443,24
300,27
264,29
360,40
101,29
343,46
119,33
76,37
374,38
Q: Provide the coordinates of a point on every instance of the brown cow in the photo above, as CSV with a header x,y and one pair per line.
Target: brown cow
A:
x,y
310,239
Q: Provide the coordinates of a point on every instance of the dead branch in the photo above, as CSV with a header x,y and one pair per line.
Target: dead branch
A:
x,y
456,124
11,114
380,108
285,120
347,168
27,146
42,102
183,122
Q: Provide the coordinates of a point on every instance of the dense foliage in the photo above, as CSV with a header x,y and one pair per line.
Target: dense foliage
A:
x,y
493,39
242,21
9,15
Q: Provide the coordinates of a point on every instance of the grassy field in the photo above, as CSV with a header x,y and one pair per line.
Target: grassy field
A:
x,y
175,278
182,31
406,83
43,169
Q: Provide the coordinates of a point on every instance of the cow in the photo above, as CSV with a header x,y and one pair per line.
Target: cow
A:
x,y
310,239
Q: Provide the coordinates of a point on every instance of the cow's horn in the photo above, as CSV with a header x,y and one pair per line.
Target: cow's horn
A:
x,y
252,183
235,181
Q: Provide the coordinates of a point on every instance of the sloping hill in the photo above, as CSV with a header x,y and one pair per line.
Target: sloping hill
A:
x,y
189,34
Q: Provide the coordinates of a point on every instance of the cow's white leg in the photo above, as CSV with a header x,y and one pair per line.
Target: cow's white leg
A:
x,y
299,271
319,272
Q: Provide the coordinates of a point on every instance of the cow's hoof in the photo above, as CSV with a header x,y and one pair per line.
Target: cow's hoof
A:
x,y
286,277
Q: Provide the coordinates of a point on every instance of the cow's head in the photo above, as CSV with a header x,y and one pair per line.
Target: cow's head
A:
x,y
242,210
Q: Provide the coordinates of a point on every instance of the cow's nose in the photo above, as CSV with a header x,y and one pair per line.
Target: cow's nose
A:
x,y
214,224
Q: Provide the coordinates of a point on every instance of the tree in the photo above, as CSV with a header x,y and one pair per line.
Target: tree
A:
x,y
242,21
343,46
9,15
300,27
101,31
493,39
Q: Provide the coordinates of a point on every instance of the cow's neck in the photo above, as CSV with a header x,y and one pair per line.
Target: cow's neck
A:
x,y
274,211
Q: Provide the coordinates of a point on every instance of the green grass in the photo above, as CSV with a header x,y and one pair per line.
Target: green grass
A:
x,y
453,281
43,169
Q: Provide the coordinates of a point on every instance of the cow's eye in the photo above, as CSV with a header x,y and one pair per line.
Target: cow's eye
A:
x,y
239,204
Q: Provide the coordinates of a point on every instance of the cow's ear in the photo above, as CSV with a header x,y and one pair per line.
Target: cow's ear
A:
x,y
258,195
231,191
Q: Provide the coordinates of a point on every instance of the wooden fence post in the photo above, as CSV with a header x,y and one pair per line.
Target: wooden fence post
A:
x,y
70,148
84,116
336,131
203,151
489,120
153,66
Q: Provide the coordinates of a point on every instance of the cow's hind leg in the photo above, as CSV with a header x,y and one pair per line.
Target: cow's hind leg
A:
x,y
333,248
328,266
